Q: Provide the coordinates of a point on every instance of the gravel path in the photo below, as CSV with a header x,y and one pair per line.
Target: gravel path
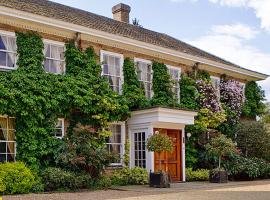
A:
x,y
256,190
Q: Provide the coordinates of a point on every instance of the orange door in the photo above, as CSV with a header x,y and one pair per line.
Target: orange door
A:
x,y
171,161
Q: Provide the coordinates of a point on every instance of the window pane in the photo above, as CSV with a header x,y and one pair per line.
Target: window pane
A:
x,y
11,60
11,147
11,135
10,157
3,42
47,65
12,44
3,59
3,147
47,51
105,69
3,157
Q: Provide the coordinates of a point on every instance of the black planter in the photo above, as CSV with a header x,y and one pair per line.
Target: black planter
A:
x,y
218,176
159,180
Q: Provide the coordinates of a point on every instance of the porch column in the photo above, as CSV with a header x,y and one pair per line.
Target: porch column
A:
x,y
183,156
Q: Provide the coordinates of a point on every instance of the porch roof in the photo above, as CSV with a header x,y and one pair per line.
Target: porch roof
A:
x,y
161,117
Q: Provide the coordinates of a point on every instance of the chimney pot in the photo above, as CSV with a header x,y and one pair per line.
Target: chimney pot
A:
x,y
121,12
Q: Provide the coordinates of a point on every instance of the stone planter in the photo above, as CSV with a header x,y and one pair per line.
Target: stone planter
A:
x,y
218,176
159,180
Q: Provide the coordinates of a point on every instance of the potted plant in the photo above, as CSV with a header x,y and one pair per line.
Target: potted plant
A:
x,y
159,143
219,147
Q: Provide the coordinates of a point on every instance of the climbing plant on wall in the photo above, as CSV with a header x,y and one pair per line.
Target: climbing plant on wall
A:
x,y
188,93
132,89
162,86
37,98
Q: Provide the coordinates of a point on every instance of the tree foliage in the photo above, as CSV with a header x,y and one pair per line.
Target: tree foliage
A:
x,y
220,146
255,96
132,89
253,139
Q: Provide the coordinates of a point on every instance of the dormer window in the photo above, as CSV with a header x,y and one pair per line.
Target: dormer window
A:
x,y
54,57
8,50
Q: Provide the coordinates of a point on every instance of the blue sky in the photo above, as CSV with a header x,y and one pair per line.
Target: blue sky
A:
x,y
237,30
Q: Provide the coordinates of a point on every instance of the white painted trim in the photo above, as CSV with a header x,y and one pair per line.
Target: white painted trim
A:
x,y
183,155
7,33
121,56
53,42
88,31
142,60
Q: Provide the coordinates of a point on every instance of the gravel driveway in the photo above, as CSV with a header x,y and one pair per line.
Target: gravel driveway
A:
x,y
256,190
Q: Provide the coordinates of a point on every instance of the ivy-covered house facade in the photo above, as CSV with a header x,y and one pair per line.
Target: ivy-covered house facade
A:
x,y
115,40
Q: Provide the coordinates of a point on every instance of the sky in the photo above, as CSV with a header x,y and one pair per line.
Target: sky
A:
x,y
236,30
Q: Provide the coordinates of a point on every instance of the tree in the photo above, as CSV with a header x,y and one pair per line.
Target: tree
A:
x,y
160,143
220,146
253,139
255,96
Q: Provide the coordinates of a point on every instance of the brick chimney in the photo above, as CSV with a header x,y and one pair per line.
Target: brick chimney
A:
x,y
121,12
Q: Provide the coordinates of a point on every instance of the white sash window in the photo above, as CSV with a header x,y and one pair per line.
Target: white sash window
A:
x,y
175,78
112,65
144,72
54,57
8,50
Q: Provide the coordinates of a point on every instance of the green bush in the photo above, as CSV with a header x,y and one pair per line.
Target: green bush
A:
x,y
127,176
242,168
16,178
197,175
59,179
2,185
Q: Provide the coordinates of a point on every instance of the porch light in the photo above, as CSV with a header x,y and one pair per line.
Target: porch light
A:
x,y
156,132
188,135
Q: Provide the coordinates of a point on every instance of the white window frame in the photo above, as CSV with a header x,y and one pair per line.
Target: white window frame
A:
x,y
151,81
122,144
62,128
9,34
179,75
102,52
216,79
243,85
9,141
57,43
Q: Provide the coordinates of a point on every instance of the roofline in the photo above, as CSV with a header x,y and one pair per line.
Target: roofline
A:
x,y
89,31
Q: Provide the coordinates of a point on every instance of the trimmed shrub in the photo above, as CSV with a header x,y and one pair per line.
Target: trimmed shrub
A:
x,y
62,180
16,178
241,168
197,175
127,176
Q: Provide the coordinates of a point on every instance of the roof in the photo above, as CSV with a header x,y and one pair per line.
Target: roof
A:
x,y
90,20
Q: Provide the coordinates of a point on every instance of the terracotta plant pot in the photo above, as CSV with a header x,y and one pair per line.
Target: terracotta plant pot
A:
x,y
159,180
218,176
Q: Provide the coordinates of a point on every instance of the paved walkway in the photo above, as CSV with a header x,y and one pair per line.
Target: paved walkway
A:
x,y
256,190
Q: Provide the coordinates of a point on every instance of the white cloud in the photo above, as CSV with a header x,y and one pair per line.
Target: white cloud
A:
x,y
236,49
260,7
237,30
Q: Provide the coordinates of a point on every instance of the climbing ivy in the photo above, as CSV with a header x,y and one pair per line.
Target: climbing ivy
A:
x,y
37,99
162,86
255,96
188,93
133,91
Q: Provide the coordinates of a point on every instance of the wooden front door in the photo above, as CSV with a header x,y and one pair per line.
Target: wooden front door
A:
x,y
171,162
